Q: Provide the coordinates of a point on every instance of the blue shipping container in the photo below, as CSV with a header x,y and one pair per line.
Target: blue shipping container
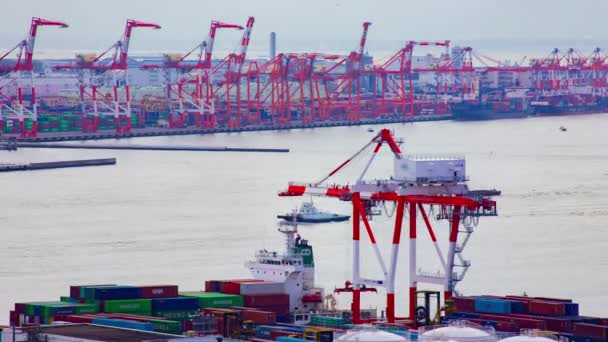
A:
x,y
571,309
263,331
121,323
493,306
518,307
585,339
464,315
112,292
175,304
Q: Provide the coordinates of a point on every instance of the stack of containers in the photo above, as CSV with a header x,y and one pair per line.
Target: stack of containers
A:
x,y
266,296
176,308
214,299
512,313
324,321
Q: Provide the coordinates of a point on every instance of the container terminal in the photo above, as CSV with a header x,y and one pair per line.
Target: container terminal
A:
x,y
112,94
278,299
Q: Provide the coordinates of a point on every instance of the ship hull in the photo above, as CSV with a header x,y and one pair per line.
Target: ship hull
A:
x,y
476,113
304,219
574,110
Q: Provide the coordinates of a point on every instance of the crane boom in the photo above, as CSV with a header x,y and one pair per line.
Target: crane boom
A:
x,y
208,45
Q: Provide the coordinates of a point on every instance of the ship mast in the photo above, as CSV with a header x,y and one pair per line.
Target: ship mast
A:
x,y
290,229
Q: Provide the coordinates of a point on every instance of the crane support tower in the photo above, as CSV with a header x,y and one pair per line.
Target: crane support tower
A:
x,y
94,74
427,188
15,106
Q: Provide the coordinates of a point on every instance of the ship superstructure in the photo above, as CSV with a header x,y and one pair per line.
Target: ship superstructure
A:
x,y
294,266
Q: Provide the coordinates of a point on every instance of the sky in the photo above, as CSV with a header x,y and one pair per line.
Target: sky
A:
x,y
530,27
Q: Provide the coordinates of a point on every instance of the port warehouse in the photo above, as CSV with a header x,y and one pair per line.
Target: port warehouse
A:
x,y
246,309
112,91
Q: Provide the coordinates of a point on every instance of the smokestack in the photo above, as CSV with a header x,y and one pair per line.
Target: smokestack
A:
x,y
273,45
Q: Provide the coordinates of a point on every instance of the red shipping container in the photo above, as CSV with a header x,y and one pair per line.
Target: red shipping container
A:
x,y
464,304
496,318
595,331
159,291
506,327
266,300
75,319
13,318
547,308
75,291
187,325
259,317
548,299
280,310
231,287
20,308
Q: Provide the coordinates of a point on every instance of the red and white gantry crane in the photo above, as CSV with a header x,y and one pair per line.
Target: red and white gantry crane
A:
x,y
14,106
415,192
94,73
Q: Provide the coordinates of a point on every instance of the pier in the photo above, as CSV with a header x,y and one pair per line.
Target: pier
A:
x,y
56,164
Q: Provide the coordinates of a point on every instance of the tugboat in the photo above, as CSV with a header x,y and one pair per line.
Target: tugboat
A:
x,y
563,129
308,213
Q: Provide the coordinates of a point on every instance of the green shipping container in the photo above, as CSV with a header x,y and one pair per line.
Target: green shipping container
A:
x,y
214,300
68,299
167,327
87,308
175,315
132,306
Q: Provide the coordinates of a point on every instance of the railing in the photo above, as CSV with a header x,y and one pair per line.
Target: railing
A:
x,y
432,157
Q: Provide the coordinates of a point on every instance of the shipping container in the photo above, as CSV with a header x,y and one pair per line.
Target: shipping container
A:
x,y
265,288
264,300
214,300
213,286
548,299
492,306
120,323
464,304
159,291
231,287
595,331
134,306
571,309
259,317
112,293
547,308
464,315
167,327
175,304
182,315
290,339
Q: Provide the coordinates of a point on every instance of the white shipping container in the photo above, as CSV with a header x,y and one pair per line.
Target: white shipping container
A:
x,y
262,288
429,169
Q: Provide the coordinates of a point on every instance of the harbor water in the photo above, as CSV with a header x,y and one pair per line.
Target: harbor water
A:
x,y
184,217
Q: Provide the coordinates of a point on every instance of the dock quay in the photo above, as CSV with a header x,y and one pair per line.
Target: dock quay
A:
x,y
6,167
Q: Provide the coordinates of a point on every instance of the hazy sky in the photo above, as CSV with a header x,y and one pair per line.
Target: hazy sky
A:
x,y
306,25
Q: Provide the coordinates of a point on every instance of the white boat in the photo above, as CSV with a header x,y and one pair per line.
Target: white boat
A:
x,y
308,213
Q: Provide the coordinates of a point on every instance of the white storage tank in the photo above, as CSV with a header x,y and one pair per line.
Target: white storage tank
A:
x,y
428,169
370,335
529,336
457,332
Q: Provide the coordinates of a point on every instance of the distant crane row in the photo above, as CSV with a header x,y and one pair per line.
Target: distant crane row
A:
x,y
292,87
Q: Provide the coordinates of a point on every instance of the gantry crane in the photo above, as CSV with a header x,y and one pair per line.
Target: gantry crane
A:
x,y
95,73
14,106
443,190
